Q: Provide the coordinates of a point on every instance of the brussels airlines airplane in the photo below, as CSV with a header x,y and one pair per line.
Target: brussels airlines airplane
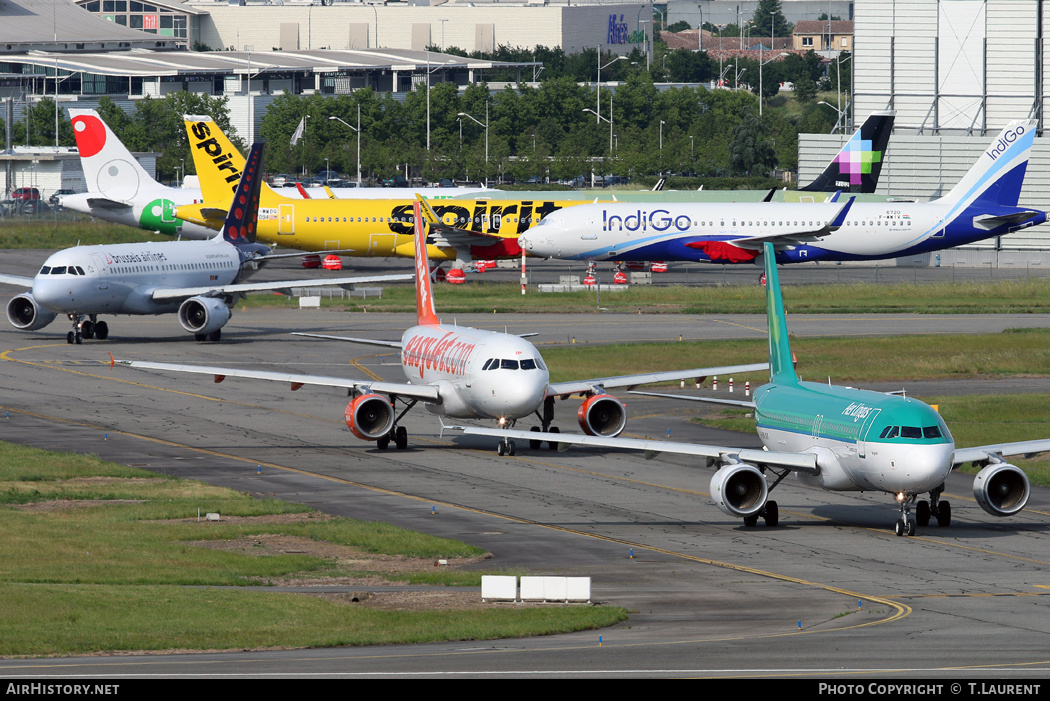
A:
x,y
201,280
460,372
838,439
982,205
121,191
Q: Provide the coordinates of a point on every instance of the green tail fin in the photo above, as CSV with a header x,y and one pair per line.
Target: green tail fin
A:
x,y
781,364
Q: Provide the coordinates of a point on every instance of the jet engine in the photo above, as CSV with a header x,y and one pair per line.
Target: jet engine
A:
x,y
1001,489
370,416
602,415
203,315
24,313
739,489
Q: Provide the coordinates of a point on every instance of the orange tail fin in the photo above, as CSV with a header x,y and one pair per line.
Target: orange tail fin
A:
x,y
425,314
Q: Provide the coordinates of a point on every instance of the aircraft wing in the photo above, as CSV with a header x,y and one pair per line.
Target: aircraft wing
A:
x,y
16,280
426,393
709,400
560,389
366,341
446,235
795,237
985,452
800,462
173,293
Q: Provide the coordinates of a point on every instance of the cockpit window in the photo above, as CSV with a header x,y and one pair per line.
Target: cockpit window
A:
x,y
528,364
80,271
911,432
890,432
45,270
931,432
59,270
508,364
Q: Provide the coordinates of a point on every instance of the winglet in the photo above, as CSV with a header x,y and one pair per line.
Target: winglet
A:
x,y
425,313
769,195
840,218
302,191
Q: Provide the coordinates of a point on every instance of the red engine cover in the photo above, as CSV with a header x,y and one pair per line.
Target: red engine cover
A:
x,y
602,415
369,416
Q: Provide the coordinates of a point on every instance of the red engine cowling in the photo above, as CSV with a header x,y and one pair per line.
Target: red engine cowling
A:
x,y
370,416
602,415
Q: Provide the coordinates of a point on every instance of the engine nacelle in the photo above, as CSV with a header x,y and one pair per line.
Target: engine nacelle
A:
x,y
739,489
203,315
24,313
370,416
602,415
1001,489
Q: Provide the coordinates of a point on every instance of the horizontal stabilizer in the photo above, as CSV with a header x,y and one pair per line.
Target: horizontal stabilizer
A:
x,y
1014,219
365,341
107,203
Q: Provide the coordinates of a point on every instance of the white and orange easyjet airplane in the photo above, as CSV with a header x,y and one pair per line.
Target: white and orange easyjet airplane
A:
x,y
462,372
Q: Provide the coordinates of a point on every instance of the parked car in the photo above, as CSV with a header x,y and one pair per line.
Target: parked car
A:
x,y
26,193
56,198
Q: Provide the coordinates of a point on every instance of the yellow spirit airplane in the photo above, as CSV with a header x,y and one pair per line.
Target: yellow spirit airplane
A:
x,y
468,229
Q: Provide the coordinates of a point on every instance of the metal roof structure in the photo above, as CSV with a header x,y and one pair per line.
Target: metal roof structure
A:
x,y
146,63
27,25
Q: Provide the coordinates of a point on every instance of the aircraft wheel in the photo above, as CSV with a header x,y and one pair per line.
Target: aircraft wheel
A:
x,y
501,449
215,335
78,338
898,527
751,521
535,445
101,330
511,448
922,513
69,337
200,337
384,442
552,445
772,515
911,527
401,437
944,514
88,330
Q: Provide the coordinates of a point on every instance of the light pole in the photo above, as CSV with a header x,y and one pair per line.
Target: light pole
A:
x,y
598,85
662,123
700,30
486,125
358,130
603,119
841,113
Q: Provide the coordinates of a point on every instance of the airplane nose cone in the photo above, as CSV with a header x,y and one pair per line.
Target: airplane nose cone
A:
x,y
51,294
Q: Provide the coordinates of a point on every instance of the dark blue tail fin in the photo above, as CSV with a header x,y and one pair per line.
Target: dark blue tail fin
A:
x,y
857,166
243,215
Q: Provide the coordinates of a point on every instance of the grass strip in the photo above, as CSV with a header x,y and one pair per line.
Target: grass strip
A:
x,y
102,557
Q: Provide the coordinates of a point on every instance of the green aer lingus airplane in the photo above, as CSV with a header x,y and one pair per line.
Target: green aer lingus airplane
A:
x,y
834,438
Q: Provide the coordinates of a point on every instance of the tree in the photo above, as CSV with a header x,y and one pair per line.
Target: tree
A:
x,y
749,148
769,17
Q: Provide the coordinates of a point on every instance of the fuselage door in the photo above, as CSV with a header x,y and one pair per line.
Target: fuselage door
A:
x,y
285,219
100,266
862,434
590,227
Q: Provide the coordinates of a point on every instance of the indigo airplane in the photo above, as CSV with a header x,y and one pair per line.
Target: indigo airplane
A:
x,y
460,372
199,280
983,204
837,439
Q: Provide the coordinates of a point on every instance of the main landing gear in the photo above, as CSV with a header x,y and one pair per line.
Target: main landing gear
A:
x,y
86,328
770,513
399,434
546,419
936,507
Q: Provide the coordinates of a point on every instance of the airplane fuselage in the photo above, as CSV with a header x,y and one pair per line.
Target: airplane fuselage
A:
x,y
149,209
479,374
384,227
863,440
121,278
706,232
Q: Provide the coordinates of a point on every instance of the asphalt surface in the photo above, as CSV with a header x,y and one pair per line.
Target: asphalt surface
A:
x,y
829,594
